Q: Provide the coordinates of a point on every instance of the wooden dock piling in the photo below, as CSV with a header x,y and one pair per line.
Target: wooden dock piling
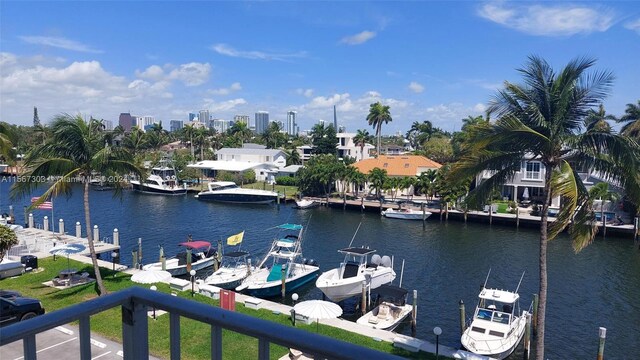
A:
x,y
414,314
535,314
463,317
527,338
283,291
603,336
363,305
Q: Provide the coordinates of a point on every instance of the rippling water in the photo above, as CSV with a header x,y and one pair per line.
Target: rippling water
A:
x,y
445,262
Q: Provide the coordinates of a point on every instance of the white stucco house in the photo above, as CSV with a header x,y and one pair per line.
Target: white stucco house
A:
x,y
266,163
346,147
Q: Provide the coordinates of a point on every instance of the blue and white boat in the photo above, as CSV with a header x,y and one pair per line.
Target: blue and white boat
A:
x,y
284,259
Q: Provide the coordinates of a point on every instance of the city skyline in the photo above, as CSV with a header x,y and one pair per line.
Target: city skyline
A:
x,y
436,61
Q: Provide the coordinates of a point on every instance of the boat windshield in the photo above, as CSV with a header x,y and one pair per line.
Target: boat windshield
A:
x,y
223,187
495,312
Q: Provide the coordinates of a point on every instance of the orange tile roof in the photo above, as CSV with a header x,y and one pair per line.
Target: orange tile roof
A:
x,y
398,165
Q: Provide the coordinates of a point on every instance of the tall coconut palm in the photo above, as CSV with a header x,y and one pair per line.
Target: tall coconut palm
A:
x,y
597,120
293,157
378,114
543,118
5,140
631,118
360,139
75,150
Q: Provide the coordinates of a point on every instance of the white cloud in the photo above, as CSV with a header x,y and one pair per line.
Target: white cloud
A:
x,y
224,49
59,42
305,92
358,38
228,105
449,116
191,74
226,91
480,108
153,72
551,20
633,25
416,87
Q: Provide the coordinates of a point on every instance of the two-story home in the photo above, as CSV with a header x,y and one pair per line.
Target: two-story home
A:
x,y
346,148
266,163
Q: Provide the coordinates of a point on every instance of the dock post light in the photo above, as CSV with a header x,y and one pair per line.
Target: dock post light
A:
x,y
114,255
437,331
294,297
193,279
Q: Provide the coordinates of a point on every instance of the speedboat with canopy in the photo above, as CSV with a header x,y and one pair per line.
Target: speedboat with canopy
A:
x,y
498,323
346,280
202,255
283,261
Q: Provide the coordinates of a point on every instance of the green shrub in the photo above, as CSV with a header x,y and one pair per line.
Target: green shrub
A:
x,y
286,181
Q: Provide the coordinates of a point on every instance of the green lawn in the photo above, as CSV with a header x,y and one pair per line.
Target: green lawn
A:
x,y
289,191
195,340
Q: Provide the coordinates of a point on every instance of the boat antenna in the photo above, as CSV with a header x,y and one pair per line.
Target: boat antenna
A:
x,y
519,282
487,279
354,235
401,273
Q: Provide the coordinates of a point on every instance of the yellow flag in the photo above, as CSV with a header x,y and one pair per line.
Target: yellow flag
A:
x,y
235,239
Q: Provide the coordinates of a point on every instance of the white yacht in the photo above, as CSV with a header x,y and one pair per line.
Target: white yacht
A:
x,y
306,204
283,260
228,191
235,268
163,180
346,280
405,214
498,324
391,308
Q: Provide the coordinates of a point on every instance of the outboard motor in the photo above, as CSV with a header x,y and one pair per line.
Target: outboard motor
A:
x,y
376,259
386,261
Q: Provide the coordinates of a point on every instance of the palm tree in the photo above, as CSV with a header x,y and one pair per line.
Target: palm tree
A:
x,y
543,118
5,140
75,151
360,139
632,119
377,178
597,120
241,131
426,182
135,141
189,132
407,183
419,133
293,157
358,179
378,114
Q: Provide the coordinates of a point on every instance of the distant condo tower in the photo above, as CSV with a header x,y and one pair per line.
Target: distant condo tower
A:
x,y
292,126
335,119
262,121
126,121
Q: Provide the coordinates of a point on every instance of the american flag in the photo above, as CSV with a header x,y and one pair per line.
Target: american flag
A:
x,y
47,205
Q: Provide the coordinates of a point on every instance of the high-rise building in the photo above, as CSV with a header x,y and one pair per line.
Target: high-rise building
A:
x,y
220,125
203,116
192,116
242,119
108,125
291,125
126,121
262,121
335,119
175,125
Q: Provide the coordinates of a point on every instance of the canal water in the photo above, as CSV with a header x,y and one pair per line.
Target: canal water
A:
x,y
444,262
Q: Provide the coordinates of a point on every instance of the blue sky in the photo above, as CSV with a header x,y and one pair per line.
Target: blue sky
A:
x,y
437,61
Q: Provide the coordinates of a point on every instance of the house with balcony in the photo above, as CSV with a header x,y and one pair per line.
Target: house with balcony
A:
x,y
266,163
346,148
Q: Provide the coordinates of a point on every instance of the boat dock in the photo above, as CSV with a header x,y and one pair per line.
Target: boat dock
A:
x,y
522,218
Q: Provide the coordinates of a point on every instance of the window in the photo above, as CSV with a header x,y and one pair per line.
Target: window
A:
x,y
533,171
385,165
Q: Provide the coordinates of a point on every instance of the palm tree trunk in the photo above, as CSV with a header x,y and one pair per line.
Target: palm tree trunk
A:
x,y
92,249
542,304
378,130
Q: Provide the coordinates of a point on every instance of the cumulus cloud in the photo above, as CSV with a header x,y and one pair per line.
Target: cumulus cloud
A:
x,y
226,91
222,106
416,87
359,38
633,25
191,74
549,20
305,92
59,42
224,49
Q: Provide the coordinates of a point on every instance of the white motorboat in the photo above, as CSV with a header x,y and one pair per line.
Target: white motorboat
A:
x,y
306,204
498,324
162,181
391,308
235,268
406,214
346,280
284,259
228,191
177,265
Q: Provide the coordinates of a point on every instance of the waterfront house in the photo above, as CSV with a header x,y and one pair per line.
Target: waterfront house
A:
x,y
266,163
346,148
398,166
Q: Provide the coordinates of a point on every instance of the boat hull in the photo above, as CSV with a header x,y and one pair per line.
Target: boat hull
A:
x,y
157,191
274,288
495,348
228,278
390,323
337,289
237,198
414,215
178,270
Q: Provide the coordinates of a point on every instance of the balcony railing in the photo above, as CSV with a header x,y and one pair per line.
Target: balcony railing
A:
x,y
134,303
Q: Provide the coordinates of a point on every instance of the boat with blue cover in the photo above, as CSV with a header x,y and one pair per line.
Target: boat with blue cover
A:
x,y
283,260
